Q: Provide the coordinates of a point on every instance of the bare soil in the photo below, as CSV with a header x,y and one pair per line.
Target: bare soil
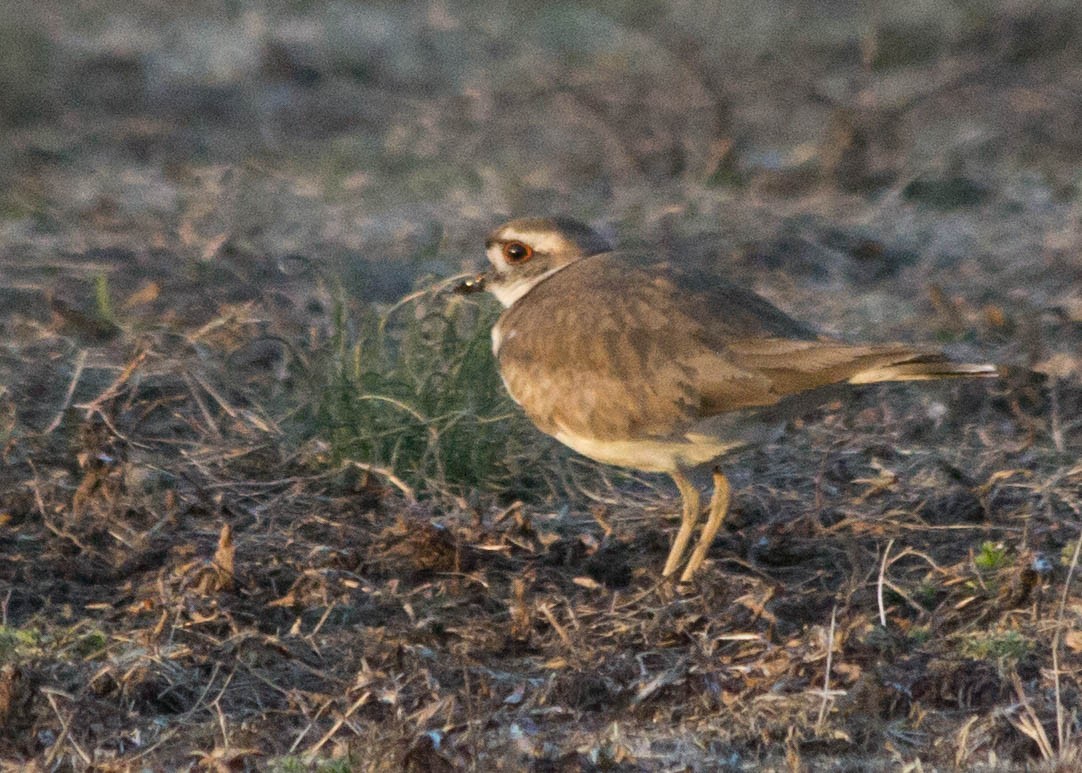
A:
x,y
190,580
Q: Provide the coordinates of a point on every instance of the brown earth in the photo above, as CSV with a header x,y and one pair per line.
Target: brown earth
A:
x,y
191,579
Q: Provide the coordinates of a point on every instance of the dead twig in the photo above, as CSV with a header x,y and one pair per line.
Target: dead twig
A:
x,y
114,388
65,730
212,425
1055,416
1027,722
80,364
826,675
386,472
1063,728
314,749
560,630
881,583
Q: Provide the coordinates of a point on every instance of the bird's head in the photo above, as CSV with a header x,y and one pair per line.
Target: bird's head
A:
x,y
523,252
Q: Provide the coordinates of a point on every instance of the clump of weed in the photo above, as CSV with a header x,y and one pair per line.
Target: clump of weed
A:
x,y
297,764
1008,646
992,557
17,642
919,635
415,389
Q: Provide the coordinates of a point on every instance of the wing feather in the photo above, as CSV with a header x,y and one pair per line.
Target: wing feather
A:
x,y
677,348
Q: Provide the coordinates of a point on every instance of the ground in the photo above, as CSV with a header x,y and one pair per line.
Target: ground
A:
x,y
264,506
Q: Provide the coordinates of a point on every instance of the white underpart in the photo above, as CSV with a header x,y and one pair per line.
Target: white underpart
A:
x,y
649,455
498,338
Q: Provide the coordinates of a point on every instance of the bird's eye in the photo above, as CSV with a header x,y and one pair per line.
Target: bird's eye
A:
x,y
517,252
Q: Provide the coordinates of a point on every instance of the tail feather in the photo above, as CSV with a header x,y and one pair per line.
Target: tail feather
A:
x,y
924,369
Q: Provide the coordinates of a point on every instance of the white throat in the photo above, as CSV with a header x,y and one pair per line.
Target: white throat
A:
x,y
508,289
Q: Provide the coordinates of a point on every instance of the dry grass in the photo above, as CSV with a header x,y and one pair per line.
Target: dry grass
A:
x,y
265,507
193,592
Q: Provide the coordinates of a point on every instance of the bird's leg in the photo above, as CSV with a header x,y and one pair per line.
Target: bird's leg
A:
x,y
690,495
719,506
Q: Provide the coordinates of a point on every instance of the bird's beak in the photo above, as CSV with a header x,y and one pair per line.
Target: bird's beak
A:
x,y
472,285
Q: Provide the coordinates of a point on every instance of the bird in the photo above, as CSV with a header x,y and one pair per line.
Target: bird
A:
x,y
640,362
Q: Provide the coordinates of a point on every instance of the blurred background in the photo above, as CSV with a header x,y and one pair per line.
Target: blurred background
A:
x,y
261,488
827,141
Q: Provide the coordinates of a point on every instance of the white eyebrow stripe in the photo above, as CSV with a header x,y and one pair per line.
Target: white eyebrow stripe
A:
x,y
541,241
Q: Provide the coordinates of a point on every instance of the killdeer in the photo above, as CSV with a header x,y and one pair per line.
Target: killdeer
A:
x,y
636,362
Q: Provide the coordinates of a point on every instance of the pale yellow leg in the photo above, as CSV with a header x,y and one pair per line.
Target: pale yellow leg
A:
x,y
719,506
690,517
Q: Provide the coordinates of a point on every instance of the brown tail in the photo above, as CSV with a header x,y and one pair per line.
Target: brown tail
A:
x,y
923,369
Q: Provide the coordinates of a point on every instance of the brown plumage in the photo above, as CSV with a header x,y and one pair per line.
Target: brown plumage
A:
x,y
646,365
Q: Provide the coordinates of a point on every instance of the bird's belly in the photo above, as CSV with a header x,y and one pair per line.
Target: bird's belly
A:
x,y
649,454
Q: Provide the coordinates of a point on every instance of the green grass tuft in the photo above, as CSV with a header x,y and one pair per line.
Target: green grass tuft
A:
x,y
16,643
1009,646
297,764
415,389
992,557
103,300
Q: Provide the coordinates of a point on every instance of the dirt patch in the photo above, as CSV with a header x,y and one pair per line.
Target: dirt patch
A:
x,y
209,231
